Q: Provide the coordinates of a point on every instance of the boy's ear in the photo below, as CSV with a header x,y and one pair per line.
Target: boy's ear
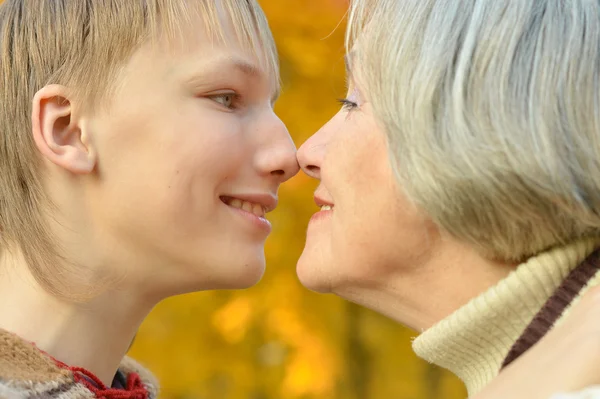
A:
x,y
57,132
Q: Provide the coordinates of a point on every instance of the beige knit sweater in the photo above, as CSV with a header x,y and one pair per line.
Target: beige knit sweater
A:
x,y
27,372
473,342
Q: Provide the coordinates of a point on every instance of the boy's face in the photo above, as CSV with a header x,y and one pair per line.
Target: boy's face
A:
x,y
190,155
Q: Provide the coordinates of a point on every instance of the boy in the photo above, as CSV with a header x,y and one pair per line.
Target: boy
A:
x,y
139,153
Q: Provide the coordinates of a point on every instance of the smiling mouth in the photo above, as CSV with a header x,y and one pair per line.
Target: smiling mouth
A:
x,y
250,207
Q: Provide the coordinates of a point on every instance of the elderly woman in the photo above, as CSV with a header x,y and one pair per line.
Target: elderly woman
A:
x,y
484,228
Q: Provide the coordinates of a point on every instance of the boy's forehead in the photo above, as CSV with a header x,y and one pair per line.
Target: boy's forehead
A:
x,y
199,63
225,35
243,64
204,43
201,44
197,53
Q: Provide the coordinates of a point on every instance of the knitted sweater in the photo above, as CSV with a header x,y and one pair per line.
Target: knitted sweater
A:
x,y
474,341
27,372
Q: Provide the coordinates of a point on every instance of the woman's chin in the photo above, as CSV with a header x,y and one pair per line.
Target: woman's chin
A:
x,y
312,276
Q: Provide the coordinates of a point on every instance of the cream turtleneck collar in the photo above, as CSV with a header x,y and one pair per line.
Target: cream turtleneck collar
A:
x,y
473,341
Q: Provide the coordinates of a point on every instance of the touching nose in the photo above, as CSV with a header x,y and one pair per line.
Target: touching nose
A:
x,y
280,160
310,156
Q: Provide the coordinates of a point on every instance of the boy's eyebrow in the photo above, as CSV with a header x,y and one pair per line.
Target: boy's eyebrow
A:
x,y
249,69
253,71
246,67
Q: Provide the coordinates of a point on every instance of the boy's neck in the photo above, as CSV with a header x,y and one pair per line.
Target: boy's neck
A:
x,y
94,335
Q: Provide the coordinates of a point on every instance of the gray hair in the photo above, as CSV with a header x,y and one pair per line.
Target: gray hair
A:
x,y
491,112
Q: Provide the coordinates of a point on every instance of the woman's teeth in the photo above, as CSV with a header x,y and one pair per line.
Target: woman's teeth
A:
x,y
326,208
255,209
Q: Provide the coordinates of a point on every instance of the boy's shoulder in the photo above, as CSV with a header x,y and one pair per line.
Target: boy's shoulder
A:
x,y
28,372
24,369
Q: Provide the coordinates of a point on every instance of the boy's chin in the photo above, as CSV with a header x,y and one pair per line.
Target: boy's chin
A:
x,y
246,277
221,276
239,275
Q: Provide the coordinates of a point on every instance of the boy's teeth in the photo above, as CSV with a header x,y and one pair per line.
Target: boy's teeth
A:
x,y
255,209
258,210
326,208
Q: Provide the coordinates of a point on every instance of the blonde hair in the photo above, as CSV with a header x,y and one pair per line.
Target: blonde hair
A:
x,y
491,109
82,45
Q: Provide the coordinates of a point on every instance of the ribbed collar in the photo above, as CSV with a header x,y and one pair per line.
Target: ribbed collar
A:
x,y
473,341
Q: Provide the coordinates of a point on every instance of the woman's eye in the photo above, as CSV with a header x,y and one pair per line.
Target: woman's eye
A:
x,y
347,104
224,99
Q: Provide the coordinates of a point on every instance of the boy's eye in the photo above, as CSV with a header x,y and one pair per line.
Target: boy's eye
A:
x,y
225,99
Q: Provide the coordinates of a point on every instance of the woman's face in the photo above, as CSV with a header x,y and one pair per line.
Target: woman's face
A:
x,y
191,155
366,231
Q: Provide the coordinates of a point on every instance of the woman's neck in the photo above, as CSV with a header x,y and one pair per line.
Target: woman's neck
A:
x,y
421,295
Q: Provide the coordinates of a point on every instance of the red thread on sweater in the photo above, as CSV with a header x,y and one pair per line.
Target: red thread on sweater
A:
x,y
135,388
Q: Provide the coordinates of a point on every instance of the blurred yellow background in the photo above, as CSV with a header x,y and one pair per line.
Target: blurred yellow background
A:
x,y
278,340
